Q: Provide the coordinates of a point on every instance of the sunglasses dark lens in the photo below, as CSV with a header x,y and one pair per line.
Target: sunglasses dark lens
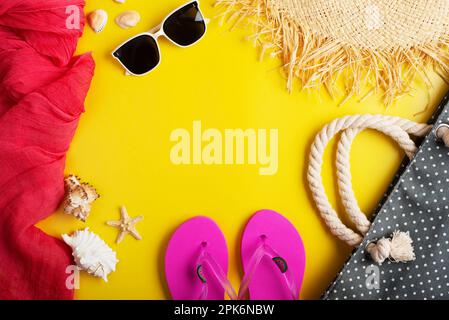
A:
x,y
139,55
186,25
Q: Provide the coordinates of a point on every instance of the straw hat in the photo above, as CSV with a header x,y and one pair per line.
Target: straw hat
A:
x,y
318,40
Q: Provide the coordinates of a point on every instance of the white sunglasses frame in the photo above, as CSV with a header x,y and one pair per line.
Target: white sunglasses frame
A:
x,y
157,32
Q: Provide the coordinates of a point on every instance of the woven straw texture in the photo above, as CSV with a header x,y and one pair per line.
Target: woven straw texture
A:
x,y
385,44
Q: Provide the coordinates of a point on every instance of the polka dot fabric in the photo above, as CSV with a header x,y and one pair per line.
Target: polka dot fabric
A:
x,y
418,203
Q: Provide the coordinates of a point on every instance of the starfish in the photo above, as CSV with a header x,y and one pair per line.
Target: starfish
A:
x,y
126,225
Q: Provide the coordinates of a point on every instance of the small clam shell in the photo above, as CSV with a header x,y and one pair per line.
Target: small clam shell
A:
x,y
97,20
127,19
120,1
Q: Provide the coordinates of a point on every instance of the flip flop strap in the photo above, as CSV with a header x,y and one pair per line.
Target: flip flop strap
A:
x,y
266,250
207,259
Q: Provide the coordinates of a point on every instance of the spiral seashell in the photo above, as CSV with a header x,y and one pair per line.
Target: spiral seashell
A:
x,y
127,19
97,20
79,197
91,253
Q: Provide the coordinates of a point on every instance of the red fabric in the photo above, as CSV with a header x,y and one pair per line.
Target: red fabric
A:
x,y
42,91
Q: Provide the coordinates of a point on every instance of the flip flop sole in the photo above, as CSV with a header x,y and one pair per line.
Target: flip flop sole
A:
x,y
267,282
181,256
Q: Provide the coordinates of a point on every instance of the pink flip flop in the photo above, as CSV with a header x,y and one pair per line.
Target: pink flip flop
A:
x,y
273,258
196,262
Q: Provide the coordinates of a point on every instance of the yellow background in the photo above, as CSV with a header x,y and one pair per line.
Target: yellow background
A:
x,y
122,147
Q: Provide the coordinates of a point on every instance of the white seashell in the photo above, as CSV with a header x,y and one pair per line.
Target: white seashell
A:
x,y
97,20
127,19
120,1
91,253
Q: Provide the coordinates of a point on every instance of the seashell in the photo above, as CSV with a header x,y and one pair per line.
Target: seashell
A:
x,y
79,197
97,20
120,1
127,19
91,253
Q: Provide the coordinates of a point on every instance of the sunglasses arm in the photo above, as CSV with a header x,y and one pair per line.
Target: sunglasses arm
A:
x,y
156,30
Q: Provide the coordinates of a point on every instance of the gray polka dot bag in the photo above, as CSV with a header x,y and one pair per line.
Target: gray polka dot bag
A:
x,y
404,251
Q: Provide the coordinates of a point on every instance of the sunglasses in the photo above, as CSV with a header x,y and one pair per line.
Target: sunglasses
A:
x,y
184,27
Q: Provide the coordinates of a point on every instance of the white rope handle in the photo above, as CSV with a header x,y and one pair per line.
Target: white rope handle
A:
x,y
397,128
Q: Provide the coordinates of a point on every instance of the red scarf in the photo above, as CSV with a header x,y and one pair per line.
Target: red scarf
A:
x,y
42,91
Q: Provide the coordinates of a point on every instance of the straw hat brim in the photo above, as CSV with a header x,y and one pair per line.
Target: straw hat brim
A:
x,y
381,24
379,46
